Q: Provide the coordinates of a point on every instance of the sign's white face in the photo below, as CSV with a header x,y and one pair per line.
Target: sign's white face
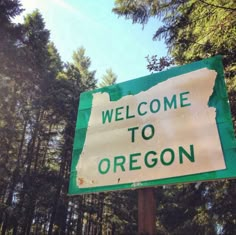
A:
x,y
166,131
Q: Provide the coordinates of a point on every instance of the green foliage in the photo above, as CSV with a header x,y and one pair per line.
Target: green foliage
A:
x,y
81,64
155,64
9,9
108,79
38,109
192,30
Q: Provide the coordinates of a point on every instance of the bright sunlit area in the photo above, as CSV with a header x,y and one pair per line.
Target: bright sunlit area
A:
x,y
111,42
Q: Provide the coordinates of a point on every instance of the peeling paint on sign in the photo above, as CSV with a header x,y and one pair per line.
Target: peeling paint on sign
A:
x,y
169,127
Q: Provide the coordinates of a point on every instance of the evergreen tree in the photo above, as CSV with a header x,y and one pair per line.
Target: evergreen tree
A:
x,y
108,79
75,79
82,63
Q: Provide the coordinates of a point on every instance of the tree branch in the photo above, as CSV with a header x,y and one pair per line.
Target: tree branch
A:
x,y
218,6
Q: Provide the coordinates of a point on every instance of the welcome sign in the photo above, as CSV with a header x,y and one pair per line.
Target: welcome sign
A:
x,y
169,127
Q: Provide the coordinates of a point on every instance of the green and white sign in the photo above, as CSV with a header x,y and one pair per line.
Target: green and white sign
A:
x,y
165,128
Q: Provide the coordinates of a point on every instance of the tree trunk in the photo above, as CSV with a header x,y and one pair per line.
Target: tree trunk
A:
x,y
100,212
47,145
80,215
57,195
30,218
66,154
27,181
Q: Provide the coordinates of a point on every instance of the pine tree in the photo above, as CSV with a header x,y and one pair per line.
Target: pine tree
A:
x,y
108,79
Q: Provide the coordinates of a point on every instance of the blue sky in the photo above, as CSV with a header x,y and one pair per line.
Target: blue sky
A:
x,y
110,41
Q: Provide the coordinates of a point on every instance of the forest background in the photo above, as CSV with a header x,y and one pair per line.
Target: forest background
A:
x,y
39,95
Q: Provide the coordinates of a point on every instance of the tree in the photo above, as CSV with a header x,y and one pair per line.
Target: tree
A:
x,y
38,110
40,126
10,39
10,121
75,79
108,79
9,9
183,23
39,101
82,64
27,123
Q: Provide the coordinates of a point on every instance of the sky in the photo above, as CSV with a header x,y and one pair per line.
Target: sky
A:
x,y
110,41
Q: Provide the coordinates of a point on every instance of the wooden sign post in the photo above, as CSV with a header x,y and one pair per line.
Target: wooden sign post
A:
x,y
146,211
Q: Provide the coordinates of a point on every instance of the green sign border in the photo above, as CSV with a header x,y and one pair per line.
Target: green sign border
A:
x,y
218,99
